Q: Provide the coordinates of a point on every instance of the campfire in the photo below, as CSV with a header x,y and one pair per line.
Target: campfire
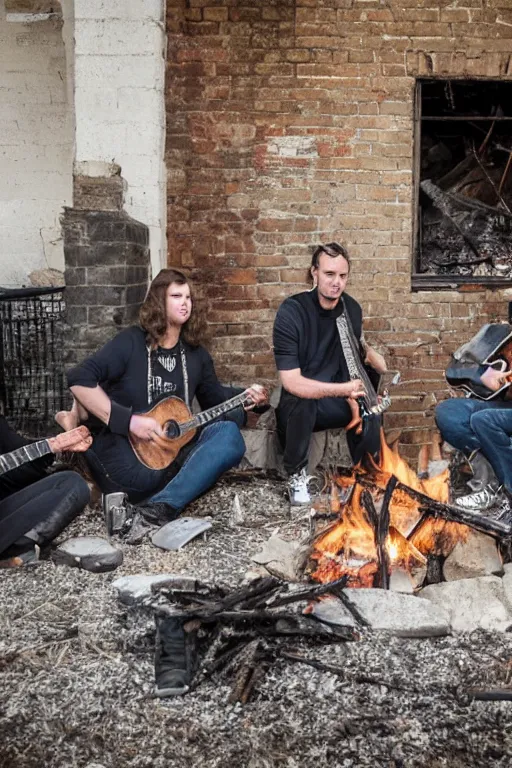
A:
x,y
391,520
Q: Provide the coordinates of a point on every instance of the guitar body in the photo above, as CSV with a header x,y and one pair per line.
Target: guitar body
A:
x,y
160,452
491,346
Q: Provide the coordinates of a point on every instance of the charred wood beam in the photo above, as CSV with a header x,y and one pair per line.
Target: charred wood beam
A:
x,y
491,694
441,202
432,508
380,527
490,180
505,174
476,205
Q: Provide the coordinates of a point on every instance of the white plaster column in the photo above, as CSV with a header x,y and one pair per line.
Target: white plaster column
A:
x,y
119,103
36,144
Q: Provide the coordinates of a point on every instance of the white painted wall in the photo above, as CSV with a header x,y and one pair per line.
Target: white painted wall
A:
x,y
36,147
119,102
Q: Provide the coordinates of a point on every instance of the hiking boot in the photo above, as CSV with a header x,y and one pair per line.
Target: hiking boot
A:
x,y
173,658
479,501
483,473
299,488
31,557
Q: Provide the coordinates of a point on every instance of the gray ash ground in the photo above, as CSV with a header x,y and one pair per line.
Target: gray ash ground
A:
x,y
77,674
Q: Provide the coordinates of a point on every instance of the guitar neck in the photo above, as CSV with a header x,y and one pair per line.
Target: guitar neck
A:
x,y
203,418
20,456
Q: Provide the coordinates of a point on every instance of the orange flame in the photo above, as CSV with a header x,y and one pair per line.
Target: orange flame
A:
x,y
348,547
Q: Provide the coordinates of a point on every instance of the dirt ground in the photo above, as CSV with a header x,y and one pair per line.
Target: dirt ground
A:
x,y
76,670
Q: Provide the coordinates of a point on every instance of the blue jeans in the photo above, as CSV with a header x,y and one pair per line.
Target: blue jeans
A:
x,y
220,447
115,466
486,426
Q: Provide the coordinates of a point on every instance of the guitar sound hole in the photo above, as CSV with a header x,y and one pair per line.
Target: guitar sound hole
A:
x,y
172,429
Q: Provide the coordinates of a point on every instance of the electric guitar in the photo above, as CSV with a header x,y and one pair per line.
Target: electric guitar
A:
x,y
76,440
491,347
179,426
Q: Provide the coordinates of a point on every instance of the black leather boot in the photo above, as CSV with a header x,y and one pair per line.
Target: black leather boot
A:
x,y
175,655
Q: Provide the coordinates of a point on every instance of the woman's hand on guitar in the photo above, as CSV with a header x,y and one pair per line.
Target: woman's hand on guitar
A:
x,y
145,428
354,388
256,395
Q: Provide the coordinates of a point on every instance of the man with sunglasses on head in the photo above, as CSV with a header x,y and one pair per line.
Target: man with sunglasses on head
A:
x,y
314,371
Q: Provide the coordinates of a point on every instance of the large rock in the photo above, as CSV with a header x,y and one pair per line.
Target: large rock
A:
x,y
91,553
472,603
401,615
507,584
133,589
477,556
281,558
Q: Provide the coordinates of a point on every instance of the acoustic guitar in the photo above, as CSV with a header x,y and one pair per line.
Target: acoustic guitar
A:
x,y
76,440
179,427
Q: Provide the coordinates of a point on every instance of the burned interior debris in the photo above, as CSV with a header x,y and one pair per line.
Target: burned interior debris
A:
x,y
463,182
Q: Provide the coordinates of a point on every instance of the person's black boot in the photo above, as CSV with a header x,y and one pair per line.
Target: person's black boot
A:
x,y
174,657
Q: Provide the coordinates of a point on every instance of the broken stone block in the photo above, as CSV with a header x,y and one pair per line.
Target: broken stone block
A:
x,y
401,615
279,557
332,611
237,516
477,556
174,535
472,603
91,553
133,589
401,581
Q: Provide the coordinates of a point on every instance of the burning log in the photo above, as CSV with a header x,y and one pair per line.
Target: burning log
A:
x,y
431,508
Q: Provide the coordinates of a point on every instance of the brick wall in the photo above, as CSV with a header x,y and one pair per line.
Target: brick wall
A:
x,y
291,122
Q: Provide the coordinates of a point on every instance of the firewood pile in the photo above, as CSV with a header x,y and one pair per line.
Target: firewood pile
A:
x,y
242,632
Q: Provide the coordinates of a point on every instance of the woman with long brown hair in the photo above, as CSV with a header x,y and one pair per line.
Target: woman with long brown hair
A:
x,y
126,377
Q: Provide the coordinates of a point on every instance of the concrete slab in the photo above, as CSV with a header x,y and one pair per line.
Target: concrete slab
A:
x,y
401,615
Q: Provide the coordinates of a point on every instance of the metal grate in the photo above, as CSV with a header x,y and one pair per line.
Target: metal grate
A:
x,y
32,379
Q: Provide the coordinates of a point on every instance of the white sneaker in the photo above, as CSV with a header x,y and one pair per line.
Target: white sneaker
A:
x,y
479,501
298,488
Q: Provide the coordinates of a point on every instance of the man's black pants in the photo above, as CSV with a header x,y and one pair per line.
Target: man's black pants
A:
x,y
298,418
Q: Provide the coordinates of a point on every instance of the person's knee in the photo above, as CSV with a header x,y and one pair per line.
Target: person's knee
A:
x,y
482,423
233,443
443,413
73,484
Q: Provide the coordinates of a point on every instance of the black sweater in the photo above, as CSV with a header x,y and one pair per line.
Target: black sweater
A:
x,y
306,336
120,367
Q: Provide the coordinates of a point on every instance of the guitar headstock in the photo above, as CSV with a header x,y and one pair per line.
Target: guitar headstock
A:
x,y
77,440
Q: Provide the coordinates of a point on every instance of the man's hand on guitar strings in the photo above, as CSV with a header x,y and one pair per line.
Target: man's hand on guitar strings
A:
x,y
145,428
493,379
353,389
256,395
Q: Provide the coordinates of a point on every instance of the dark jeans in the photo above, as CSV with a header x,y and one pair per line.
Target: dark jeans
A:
x,y
40,511
471,425
115,467
298,418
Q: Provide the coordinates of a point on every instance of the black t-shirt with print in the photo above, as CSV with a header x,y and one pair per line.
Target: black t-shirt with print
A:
x,y
166,376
